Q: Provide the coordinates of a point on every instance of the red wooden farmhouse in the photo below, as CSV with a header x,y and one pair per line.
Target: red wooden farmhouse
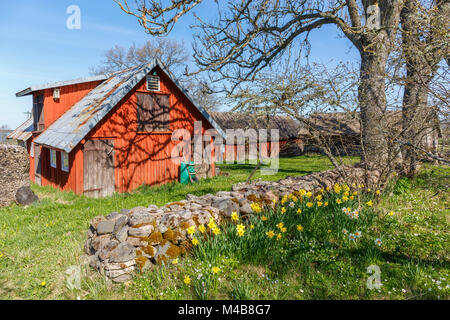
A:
x,y
109,133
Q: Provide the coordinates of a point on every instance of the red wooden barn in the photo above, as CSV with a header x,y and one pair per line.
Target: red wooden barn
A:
x,y
110,133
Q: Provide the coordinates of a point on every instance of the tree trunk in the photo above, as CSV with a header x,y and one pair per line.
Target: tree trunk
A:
x,y
421,60
372,102
413,110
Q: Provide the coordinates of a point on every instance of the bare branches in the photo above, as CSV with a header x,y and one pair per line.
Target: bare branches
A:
x,y
172,53
156,19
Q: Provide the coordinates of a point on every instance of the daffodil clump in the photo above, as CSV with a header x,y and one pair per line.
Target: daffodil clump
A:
x,y
340,214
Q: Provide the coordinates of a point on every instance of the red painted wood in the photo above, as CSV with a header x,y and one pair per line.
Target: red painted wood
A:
x,y
140,158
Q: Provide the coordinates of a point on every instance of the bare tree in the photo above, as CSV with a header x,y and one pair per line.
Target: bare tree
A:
x,y
425,43
4,131
173,54
301,92
251,35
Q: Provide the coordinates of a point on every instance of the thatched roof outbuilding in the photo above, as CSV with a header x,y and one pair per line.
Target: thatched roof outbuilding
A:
x,y
288,128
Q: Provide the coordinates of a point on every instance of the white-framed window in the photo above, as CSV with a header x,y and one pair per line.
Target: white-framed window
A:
x,y
32,150
53,158
65,161
153,83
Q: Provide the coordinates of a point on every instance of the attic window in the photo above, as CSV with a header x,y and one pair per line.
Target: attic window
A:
x,y
153,83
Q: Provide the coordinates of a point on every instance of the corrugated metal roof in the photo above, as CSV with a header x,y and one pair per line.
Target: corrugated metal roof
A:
x,y
58,84
23,132
67,131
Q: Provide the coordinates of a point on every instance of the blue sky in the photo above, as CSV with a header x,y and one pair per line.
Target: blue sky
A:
x,y
36,46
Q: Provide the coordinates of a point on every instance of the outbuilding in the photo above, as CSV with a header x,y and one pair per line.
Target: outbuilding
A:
x,y
108,133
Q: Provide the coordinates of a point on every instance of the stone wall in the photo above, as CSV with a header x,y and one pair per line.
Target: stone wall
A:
x,y
123,241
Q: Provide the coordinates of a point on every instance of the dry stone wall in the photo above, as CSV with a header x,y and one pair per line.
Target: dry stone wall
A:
x,y
125,241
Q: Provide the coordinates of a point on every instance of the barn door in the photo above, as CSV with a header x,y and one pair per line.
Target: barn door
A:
x,y
37,165
99,168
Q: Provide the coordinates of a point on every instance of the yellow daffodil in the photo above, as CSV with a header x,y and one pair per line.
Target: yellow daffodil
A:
x,y
337,188
352,197
283,210
319,197
270,233
344,198
368,189
256,207
263,218
299,211
279,236
252,226
309,194
284,229
175,261
338,201
327,188
43,283
216,231
201,228
369,203
299,228
319,203
240,230
309,204
234,216
212,224
191,230
377,192
280,225
187,280
194,241
391,213
326,204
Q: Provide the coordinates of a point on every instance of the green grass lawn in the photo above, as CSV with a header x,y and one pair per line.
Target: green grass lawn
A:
x,y
39,243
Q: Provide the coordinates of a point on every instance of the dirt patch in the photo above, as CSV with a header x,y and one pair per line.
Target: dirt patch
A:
x,y
14,171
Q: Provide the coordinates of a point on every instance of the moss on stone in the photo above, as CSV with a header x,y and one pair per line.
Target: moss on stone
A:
x,y
169,234
173,251
155,237
184,225
141,261
175,204
149,250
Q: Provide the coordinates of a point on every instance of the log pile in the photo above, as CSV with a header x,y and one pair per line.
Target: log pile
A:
x,y
14,171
